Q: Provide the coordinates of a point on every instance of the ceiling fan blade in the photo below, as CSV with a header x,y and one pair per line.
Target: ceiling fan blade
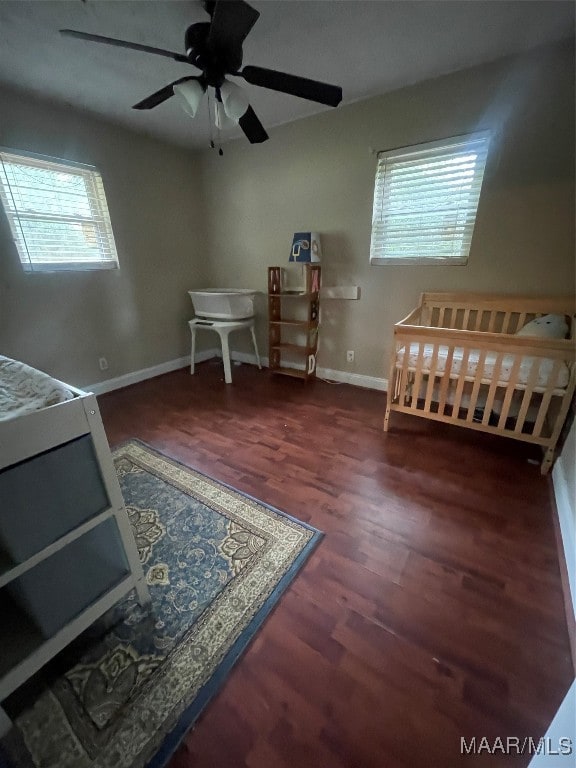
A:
x,y
252,127
313,90
162,95
124,44
232,20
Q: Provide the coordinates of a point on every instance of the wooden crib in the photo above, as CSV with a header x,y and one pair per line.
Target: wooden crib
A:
x,y
456,359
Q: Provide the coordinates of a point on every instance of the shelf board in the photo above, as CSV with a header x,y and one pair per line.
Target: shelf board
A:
x,y
294,294
9,571
297,323
296,373
293,347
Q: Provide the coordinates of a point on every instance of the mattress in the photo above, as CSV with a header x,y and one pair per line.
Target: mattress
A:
x,y
542,379
24,389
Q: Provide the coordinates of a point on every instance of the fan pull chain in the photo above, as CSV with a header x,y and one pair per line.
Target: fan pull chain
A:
x,y
211,130
210,121
219,142
218,117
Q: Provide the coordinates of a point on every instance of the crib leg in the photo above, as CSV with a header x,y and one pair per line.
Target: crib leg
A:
x,y
387,414
547,461
391,394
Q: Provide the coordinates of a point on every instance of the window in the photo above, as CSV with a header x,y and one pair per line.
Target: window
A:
x,y
425,201
57,213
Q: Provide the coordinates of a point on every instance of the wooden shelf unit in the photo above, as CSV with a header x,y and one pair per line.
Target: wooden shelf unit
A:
x,y
293,319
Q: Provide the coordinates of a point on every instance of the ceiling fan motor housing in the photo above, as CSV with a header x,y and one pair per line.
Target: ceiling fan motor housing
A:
x,y
215,63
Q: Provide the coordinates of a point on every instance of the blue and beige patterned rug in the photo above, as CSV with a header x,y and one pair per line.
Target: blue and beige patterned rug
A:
x,y
216,563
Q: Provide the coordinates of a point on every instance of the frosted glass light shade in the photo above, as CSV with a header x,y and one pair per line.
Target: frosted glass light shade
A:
x,y
221,118
234,99
190,94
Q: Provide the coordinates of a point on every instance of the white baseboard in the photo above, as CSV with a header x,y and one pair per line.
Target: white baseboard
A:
x,y
136,376
343,377
242,357
562,493
355,379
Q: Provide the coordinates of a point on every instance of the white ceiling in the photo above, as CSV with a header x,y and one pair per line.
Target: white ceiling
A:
x,y
367,47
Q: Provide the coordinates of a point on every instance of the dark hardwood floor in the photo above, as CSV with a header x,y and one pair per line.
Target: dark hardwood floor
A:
x,y
432,610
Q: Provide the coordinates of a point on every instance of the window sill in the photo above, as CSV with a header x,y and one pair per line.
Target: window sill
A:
x,y
428,262
33,269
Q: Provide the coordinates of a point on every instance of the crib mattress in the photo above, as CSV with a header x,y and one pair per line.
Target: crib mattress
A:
x,y
24,389
542,380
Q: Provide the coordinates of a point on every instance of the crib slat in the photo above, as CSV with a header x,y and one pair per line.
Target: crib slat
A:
x,y
396,393
521,321
445,381
492,314
476,386
441,317
465,319
404,374
492,389
510,389
417,377
506,322
461,381
530,384
546,397
431,378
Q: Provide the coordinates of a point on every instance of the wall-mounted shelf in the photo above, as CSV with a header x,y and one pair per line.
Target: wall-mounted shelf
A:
x,y
293,318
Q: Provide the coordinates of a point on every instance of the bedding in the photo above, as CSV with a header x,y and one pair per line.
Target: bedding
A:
x,y
544,372
24,389
546,327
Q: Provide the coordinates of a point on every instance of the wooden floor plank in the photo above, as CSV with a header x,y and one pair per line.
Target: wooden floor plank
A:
x,y
432,610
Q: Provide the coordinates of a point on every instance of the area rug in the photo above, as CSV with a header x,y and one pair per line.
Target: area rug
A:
x,y
216,562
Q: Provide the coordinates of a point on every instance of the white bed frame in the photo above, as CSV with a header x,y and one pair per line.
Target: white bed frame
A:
x,y
22,438
483,324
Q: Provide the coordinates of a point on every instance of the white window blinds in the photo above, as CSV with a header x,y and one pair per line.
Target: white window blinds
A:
x,y
57,213
425,201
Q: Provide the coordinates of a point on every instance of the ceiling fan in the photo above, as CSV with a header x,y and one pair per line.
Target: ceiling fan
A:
x,y
215,48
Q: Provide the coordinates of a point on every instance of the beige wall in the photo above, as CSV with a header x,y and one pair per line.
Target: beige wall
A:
x,y
184,219
135,316
318,174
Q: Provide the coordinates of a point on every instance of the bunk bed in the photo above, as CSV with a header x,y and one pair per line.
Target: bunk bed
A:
x,y
499,364
67,552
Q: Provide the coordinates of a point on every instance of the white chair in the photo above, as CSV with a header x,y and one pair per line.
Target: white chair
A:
x,y
223,328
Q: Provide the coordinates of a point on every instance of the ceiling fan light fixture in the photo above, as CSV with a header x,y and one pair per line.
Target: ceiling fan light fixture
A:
x,y
221,119
234,100
190,94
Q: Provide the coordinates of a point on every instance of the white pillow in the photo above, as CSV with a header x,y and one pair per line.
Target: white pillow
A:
x,y
548,327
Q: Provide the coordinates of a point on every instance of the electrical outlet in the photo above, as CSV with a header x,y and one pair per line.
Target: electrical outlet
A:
x,y
103,363
350,356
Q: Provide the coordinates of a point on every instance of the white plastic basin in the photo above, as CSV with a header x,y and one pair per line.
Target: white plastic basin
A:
x,y
224,303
